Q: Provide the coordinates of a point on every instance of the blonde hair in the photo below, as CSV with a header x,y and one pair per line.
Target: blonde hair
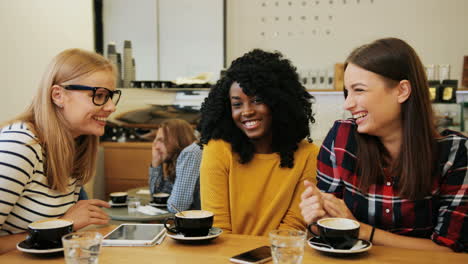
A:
x,y
178,134
64,156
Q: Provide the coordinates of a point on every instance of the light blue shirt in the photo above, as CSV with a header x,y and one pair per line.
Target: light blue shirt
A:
x,y
185,191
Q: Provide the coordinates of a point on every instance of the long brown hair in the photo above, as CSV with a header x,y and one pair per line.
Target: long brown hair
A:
x,y
178,134
414,167
64,156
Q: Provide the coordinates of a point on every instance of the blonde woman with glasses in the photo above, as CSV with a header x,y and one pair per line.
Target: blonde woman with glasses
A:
x,y
49,152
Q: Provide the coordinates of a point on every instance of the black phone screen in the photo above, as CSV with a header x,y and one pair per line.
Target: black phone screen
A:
x,y
255,255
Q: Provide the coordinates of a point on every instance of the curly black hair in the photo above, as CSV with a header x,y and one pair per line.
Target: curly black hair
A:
x,y
272,78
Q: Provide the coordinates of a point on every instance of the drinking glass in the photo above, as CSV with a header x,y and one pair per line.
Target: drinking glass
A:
x,y
82,247
287,246
133,204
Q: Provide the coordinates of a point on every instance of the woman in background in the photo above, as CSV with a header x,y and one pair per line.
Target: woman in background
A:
x,y
175,165
388,167
49,152
253,125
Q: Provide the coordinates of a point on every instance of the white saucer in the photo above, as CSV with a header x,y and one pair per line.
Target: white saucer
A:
x,y
22,246
117,204
158,205
360,246
214,233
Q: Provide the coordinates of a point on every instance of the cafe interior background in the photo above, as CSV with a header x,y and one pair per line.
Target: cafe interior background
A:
x,y
179,40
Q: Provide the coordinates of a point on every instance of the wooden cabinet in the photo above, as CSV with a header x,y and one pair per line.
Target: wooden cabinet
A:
x,y
126,165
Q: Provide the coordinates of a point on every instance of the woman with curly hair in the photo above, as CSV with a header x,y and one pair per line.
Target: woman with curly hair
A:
x,y
253,125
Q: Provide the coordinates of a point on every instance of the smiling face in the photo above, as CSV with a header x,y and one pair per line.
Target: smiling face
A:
x,y
373,101
252,116
82,116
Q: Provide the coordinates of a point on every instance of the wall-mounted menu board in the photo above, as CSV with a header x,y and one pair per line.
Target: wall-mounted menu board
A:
x,y
316,34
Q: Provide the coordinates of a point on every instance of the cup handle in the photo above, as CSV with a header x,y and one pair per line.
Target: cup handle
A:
x,y
168,228
29,240
309,227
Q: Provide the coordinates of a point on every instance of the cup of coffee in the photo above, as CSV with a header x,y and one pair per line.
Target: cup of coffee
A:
x,y
118,197
191,223
340,233
47,234
160,198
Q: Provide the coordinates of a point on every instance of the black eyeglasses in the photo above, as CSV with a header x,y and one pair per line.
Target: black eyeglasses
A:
x,y
100,94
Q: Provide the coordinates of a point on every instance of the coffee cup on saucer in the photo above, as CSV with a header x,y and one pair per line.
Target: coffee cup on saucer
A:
x,y
340,233
160,198
191,223
118,197
47,234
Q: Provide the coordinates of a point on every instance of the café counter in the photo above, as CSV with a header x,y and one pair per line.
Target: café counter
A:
x,y
225,246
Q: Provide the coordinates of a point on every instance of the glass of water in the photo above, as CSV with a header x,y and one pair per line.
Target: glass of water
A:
x,y
82,247
133,204
287,246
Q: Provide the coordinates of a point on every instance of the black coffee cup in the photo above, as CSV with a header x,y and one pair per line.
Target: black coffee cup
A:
x,y
160,198
191,223
340,233
47,234
118,197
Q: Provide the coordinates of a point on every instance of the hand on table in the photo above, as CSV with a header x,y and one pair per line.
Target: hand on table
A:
x,y
312,204
87,212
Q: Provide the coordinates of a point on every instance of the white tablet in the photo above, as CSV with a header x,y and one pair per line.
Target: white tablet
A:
x,y
134,235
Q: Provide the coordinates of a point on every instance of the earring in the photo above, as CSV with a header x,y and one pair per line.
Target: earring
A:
x,y
60,106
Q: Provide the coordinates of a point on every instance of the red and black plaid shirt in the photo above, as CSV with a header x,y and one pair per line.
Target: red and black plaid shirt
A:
x,y
442,216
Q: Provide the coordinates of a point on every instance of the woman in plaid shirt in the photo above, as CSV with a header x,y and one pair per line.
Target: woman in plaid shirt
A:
x,y
388,167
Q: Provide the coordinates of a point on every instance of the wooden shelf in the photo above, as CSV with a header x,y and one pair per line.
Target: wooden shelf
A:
x,y
126,165
207,89
462,90
131,145
168,89
320,91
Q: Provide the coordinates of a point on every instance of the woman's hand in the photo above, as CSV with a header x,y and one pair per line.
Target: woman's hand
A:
x,y
87,212
312,203
156,156
336,207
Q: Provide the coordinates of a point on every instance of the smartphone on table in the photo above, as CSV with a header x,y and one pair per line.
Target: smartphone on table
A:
x,y
257,255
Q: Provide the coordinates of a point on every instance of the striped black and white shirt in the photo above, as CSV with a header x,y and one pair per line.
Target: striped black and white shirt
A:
x,y
25,195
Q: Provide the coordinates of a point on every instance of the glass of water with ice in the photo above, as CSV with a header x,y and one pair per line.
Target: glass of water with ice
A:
x,y
82,247
287,246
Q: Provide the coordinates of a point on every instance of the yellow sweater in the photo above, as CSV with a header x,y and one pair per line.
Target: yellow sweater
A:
x,y
256,197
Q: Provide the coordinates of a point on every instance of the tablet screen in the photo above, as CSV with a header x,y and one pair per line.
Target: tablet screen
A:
x,y
146,232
